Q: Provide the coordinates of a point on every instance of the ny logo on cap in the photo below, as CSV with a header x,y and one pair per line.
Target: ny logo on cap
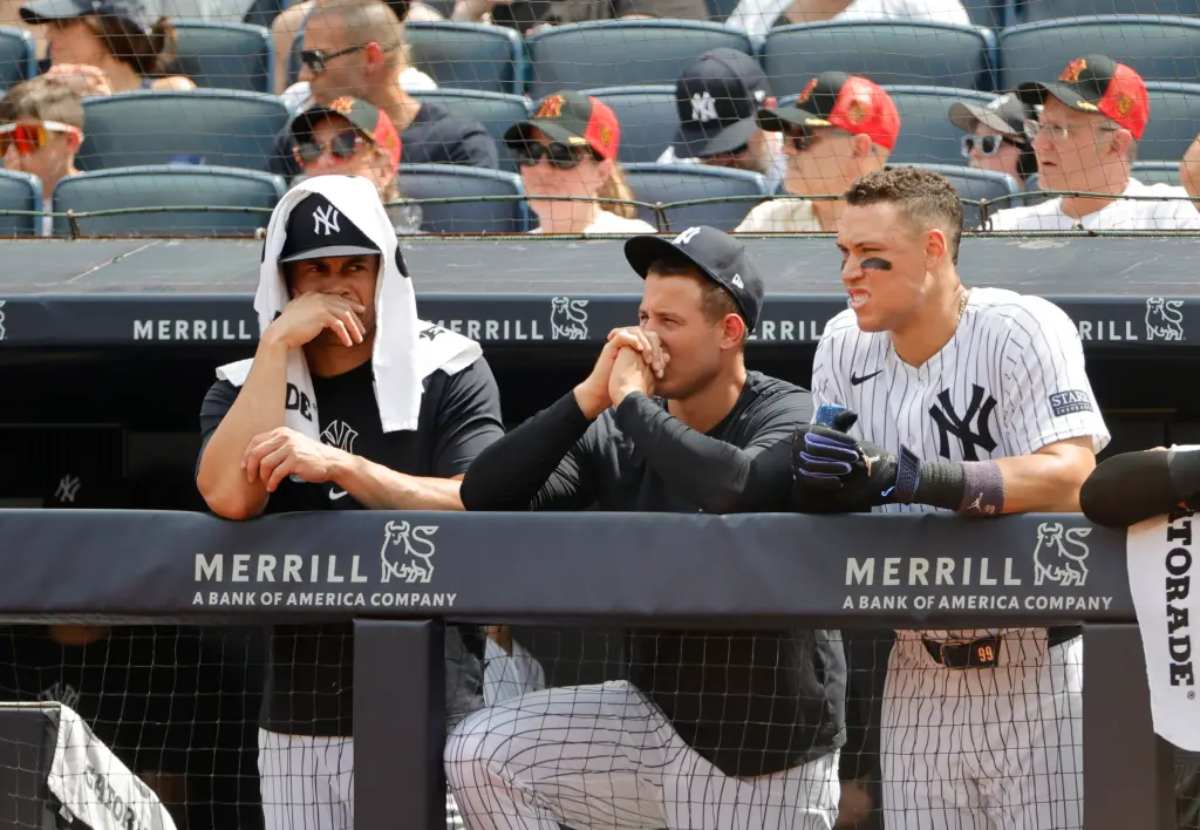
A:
x,y
325,220
704,107
687,236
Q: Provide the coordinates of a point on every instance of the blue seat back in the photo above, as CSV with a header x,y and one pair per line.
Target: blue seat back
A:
x,y
433,181
648,117
227,55
926,134
1156,172
1174,121
976,185
1028,11
665,183
18,56
468,55
19,192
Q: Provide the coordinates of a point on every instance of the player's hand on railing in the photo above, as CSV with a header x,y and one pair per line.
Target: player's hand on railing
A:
x,y
272,456
306,317
592,394
839,473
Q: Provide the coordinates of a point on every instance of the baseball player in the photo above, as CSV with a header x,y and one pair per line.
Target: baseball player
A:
x,y
335,412
975,401
713,729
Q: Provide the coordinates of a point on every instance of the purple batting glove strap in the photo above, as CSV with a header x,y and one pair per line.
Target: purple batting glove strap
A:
x,y
816,466
832,446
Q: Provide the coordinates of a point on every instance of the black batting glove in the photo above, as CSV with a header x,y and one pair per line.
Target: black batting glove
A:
x,y
837,472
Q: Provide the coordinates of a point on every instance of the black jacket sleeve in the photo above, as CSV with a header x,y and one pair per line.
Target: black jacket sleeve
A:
x,y
716,476
1131,487
539,464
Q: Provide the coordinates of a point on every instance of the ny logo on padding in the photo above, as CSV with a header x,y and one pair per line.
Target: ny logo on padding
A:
x,y
704,107
325,220
949,423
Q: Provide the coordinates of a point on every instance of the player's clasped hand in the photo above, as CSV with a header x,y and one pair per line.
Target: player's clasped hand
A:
x,y
272,456
594,393
307,316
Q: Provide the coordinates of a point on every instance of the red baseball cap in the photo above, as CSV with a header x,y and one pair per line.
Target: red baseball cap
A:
x,y
573,119
372,122
1097,84
834,99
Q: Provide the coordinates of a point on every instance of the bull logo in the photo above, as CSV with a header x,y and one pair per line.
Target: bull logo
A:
x,y
568,319
1164,320
1060,555
407,552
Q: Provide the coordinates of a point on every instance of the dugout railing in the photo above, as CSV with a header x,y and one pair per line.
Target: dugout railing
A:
x,y
400,575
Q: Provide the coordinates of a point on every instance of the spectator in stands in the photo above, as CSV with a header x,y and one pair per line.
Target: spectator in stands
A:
x,y
842,127
107,46
569,149
386,418
356,48
757,17
995,136
717,97
1085,139
352,138
41,128
532,15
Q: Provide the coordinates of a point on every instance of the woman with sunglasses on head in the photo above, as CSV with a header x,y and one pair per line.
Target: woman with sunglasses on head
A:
x,y
41,128
567,154
105,46
995,136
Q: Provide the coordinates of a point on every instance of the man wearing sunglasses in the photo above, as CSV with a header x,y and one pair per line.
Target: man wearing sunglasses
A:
x,y
840,128
356,48
1085,138
41,128
995,136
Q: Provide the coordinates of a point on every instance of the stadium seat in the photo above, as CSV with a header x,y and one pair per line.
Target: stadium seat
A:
x,y
497,111
976,185
622,52
468,55
168,185
994,14
1027,11
227,55
664,183
1159,48
926,134
18,56
648,119
887,53
434,181
204,126
19,191
1174,121
1156,172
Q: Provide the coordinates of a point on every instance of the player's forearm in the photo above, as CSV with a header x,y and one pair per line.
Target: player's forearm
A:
x,y
378,487
1043,482
259,407
1134,486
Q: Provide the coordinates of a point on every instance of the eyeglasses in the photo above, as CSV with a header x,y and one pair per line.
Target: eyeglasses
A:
x,y
317,59
987,145
29,137
561,156
343,146
1058,133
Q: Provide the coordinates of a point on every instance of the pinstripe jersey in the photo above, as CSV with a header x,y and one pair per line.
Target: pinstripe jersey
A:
x,y
1010,381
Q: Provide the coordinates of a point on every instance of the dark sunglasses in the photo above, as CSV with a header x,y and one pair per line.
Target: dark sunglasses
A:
x,y
801,140
560,155
987,145
316,59
343,145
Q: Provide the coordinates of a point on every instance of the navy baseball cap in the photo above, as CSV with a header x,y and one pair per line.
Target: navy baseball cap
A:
x,y
716,254
316,228
717,97
137,12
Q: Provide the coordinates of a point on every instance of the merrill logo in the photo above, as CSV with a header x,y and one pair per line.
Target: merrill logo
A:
x,y
1054,561
1164,320
568,319
407,552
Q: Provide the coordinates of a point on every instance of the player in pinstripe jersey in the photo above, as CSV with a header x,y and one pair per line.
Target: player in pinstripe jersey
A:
x,y
981,728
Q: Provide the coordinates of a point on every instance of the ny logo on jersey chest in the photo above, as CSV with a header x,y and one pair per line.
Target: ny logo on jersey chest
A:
x,y
971,428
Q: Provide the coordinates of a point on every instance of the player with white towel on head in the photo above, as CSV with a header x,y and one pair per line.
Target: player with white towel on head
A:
x,y
968,400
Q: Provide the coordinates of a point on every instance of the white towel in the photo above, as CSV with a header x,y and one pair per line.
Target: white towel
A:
x,y
92,784
406,350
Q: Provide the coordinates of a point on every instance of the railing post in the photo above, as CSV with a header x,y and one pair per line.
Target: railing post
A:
x,y
399,725
1128,775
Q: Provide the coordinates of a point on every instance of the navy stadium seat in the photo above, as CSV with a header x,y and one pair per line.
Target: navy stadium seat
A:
x,y
204,126
622,52
168,185
227,55
977,185
1159,48
648,117
888,53
1174,121
19,191
1156,172
664,183
433,181
994,14
18,56
926,134
497,111
468,55
1027,11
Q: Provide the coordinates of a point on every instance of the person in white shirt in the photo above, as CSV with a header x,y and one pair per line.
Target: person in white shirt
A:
x,y
1085,139
567,154
757,17
842,127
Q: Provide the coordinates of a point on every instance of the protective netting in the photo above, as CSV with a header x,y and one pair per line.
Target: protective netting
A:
x,y
197,132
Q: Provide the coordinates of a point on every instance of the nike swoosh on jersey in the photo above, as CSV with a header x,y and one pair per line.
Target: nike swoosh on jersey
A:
x,y
855,380
335,493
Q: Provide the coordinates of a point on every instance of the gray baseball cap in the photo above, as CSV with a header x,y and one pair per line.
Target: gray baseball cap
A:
x,y
142,13
1005,115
